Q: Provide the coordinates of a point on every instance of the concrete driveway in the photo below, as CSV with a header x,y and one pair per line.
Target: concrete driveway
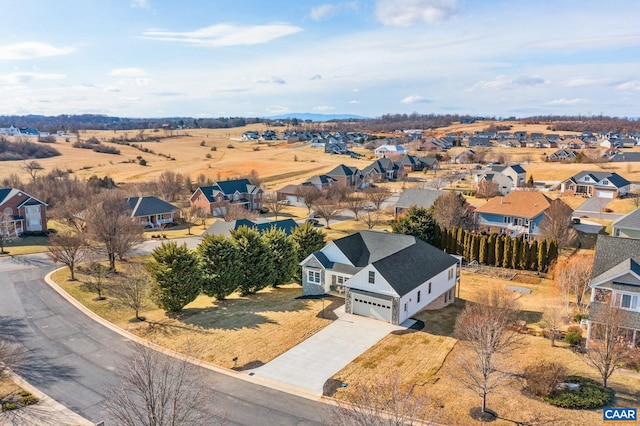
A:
x,y
309,364
594,204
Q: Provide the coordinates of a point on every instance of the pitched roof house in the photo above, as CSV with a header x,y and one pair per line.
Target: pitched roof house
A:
x,y
628,226
507,177
415,197
384,151
385,276
596,184
519,213
152,211
383,169
21,213
221,227
616,281
216,198
563,155
347,176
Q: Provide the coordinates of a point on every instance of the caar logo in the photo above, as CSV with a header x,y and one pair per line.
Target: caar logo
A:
x,y
617,415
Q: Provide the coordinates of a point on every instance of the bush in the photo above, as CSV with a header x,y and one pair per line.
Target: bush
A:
x,y
590,395
208,155
542,378
578,317
230,146
202,143
573,338
9,406
213,148
29,400
142,162
574,329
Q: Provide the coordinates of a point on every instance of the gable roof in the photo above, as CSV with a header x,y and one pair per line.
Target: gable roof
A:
x,y
527,204
342,170
617,180
418,197
8,193
145,206
404,261
612,251
4,194
221,227
629,221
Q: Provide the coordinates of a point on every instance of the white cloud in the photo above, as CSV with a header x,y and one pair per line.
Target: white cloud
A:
x,y
140,4
629,85
563,101
415,99
32,50
325,11
277,109
581,82
27,77
354,102
111,89
128,72
617,41
316,77
404,13
323,108
271,80
501,82
225,34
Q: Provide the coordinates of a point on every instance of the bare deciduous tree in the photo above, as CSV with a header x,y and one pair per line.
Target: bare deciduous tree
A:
x,y
238,211
385,402
32,168
556,224
190,216
68,248
377,195
371,218
131,290
309,194
7,230
553,319
96,278
270,200
635,197
170,184
608,347
158,390
327,209
11,356
355,203
451,210
487,188
484,328
572,277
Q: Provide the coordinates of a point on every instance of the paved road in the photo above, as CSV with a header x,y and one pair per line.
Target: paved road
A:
x,y
73,359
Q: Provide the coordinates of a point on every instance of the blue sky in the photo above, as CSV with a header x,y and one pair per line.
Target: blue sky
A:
x,y
154,58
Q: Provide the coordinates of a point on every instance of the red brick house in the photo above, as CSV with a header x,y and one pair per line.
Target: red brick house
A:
x,y
21,213
216,198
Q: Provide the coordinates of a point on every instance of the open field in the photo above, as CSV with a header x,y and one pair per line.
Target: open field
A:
x,y
255,329
427,359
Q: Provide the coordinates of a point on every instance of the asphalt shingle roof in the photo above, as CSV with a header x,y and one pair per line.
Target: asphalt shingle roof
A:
x,y
629,221
342,170
225,228
145,206
613,251
527,204
418,197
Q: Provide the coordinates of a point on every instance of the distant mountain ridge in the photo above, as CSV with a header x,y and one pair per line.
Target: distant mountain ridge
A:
x,y
316,117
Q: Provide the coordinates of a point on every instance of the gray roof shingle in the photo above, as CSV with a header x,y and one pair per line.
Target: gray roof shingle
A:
x,y
613,251
629,221
418,197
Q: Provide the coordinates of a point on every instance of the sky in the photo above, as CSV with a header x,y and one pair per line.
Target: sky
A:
x,y
205,58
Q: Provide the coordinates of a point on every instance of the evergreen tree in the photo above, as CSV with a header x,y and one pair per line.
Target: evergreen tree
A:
x,y
530,182
517,253
475,247
417,222
256,261
533,256
499,252
219,263
466,250
437,237
542,256
482,256
552,253
285,261
491,250
176,274
306,240
508,251
460,240
525,258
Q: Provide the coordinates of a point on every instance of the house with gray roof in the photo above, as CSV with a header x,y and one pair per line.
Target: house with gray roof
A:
x,y
385,276
596,184
216,198
628,226
616,282
346,176
415,197
507,178
221,227
151,211
383,169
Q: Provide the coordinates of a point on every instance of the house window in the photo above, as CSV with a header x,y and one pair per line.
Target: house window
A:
x,y
508,219
418,296
8,211
313,277
605,182
372,277
405,307
617,234
450,273
627,301
445,297
429,288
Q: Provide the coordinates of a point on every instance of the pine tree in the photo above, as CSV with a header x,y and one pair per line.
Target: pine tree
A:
x,y
282,249
473,254
499,252
508,251
453,242
491,250
437,237
552,254
526,255
219,263
256,261
484,245
542,256
418,222
306,239
460,240
533,256
476,246
176,274
517,253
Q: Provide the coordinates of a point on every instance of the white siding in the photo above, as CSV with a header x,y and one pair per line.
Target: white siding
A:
x,y
360,281
334,254
439,285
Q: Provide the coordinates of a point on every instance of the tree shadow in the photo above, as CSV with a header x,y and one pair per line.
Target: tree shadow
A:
x,y
441,322
331,303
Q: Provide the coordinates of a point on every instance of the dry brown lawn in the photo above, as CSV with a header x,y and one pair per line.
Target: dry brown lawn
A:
x,y
255,329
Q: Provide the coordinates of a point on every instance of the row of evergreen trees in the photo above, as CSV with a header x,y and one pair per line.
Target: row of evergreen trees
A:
x,y
247,262
496,249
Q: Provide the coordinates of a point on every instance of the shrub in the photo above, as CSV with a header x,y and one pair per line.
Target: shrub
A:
x,y
590,395
542,378
29,400
142,162
573,338
202,143
208,155
574,329
256,148
230,146
25,393
213,148
578,317
9,406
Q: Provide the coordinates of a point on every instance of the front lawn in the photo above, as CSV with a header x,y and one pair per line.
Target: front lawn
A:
x,y
26,245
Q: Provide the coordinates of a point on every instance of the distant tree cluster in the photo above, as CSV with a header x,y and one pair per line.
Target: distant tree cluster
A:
x,y
11,151
95,145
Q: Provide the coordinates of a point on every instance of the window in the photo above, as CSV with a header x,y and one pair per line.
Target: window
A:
x,y
372,277
605,182
405,307
429,288
450,273
445,297
627,301
313,277
418,296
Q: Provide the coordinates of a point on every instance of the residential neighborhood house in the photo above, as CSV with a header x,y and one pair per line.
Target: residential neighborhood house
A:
x,y
221,227
385,276
152,212
628,226
384,151
596,184
415,197
215,199
21,213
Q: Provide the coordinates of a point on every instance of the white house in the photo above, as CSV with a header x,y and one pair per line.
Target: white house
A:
x,y
596,184
384,151
385,276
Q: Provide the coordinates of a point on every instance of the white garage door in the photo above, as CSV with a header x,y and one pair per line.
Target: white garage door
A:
x,y
604,194
371,306
292,198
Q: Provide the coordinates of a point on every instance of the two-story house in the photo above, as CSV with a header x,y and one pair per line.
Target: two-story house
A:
x,y
384,151
346,176
519,213
616,282
385,276
596,184
216,198
507,178
415,197
383,169
21,213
